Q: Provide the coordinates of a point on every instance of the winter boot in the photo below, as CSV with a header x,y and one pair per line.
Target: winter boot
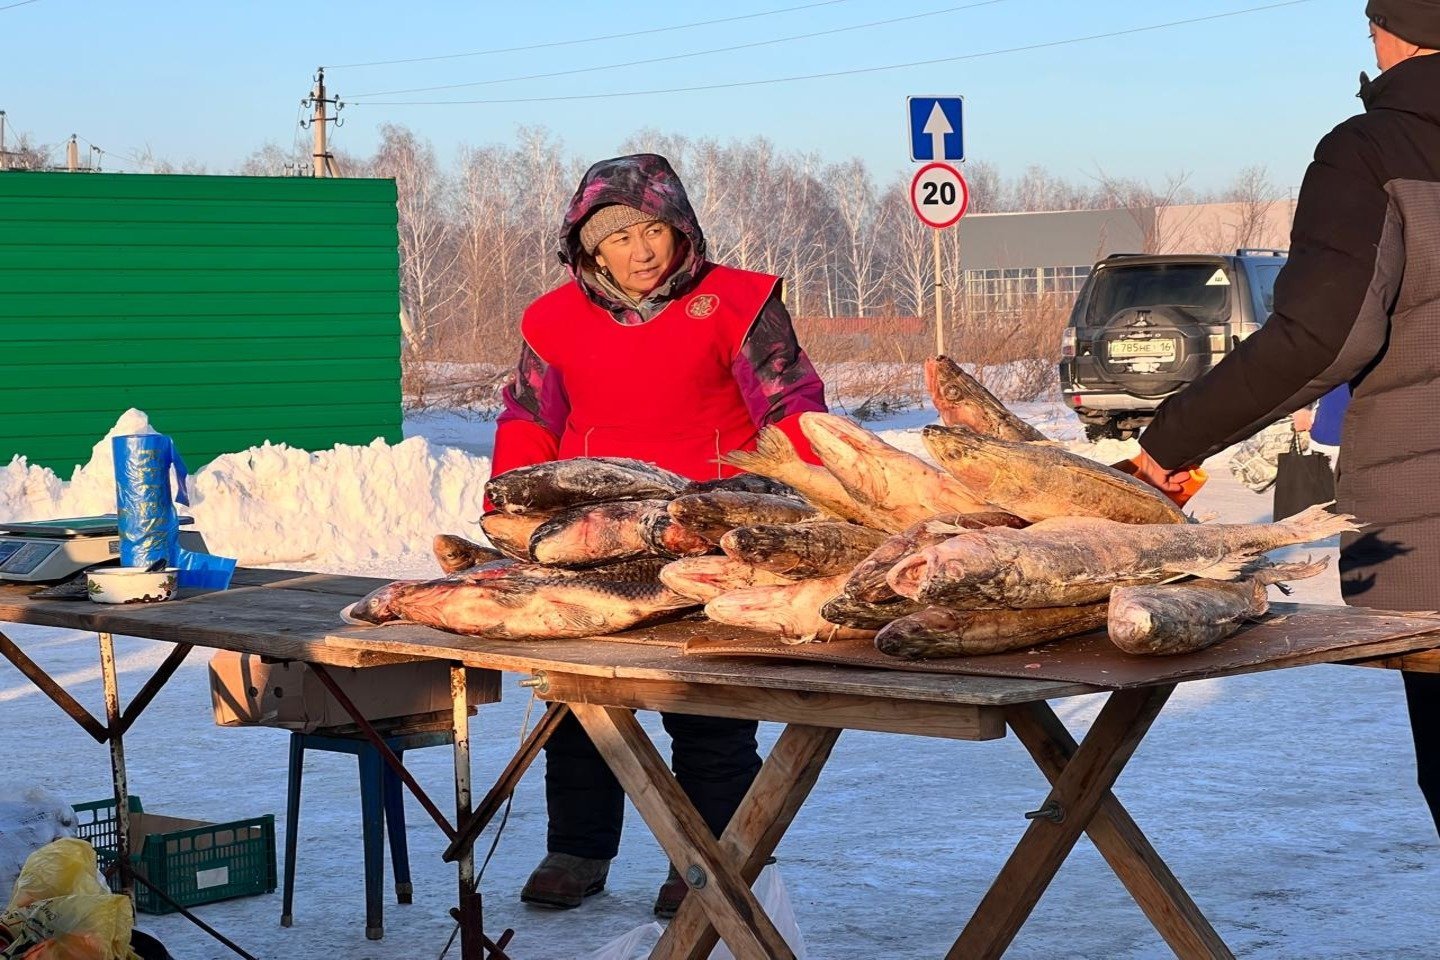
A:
x,y
672,892
563,881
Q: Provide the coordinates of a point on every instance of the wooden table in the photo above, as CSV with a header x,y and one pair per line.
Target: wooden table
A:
x,y
293,616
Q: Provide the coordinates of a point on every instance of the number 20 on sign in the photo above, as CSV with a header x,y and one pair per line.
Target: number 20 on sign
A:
x,y
939,195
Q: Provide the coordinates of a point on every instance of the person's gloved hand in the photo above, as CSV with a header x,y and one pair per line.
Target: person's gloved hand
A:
x,y
1178,485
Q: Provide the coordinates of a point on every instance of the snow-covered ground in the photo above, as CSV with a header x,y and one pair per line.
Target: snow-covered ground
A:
x,y
1284,801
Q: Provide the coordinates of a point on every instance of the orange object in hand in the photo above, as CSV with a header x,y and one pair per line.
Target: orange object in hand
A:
x,y
1188,488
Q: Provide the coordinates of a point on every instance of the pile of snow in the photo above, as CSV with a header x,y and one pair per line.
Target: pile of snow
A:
x,y
278,504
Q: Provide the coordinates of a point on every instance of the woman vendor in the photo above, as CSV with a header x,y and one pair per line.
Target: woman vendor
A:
x,y
650,351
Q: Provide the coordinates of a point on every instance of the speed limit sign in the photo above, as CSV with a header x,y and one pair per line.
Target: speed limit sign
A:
x,y
939,195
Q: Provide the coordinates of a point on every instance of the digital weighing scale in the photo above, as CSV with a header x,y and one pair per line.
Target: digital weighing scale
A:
x,y
45,550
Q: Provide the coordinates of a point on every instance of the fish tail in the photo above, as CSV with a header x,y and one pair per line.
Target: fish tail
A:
x,y
1317,523
1277,573
773,452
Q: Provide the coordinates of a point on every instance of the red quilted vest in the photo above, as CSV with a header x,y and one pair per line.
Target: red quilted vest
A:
x,y
662,390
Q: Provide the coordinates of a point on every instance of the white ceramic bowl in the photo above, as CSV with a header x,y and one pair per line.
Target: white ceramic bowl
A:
x,y
130,585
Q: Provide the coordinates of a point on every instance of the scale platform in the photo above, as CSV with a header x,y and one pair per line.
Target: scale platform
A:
x,y
46,550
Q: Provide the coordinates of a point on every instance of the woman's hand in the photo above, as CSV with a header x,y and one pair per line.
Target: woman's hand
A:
x,y
1304,419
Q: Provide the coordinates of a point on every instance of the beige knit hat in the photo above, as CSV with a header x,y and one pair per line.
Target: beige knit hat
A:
x,y
607,220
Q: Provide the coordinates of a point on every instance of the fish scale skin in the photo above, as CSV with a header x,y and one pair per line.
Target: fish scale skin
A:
x,y
1040,480
564,484
1070,561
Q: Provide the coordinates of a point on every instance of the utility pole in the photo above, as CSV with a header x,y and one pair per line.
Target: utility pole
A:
x,y
324,160
4,156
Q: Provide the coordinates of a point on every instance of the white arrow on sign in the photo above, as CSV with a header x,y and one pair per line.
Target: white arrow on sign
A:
x,y
937,126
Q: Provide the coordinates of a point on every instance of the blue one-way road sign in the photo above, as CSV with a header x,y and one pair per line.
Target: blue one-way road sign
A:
x,y
936,130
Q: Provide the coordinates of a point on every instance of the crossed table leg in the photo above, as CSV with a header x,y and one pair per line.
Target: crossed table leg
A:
x,y
721,904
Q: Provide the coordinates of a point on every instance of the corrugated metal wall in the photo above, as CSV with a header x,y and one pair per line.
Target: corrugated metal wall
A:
x,y
232,310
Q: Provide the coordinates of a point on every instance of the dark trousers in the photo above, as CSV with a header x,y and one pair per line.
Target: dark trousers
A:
x,y
715,760
1422,693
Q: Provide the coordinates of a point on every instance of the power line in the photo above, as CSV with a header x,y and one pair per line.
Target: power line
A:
x,y
20,4
696,53
571,43
837,73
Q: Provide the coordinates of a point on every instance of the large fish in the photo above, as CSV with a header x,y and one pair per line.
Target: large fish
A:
x,y
867,580
529,602
900,488
792,611
774,456
456,553
962,401
1079,560
511,532
802,551
714,514
596,534
743,483
667,537
1040,480
563,484
705,578
943,632
865,615
1185,617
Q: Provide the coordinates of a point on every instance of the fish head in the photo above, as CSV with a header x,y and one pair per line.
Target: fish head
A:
x,y
457,553
378,605
970,457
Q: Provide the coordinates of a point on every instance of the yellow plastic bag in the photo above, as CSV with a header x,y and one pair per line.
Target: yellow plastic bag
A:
x,y
61,911
62,868
83,927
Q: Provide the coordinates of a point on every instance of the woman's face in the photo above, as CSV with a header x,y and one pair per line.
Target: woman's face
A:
x,y
638,258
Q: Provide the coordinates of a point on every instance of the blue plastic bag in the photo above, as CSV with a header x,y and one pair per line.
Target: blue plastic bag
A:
x,y
145,502
149,527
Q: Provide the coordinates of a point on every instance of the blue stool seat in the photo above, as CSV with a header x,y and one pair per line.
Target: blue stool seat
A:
x,y
382,804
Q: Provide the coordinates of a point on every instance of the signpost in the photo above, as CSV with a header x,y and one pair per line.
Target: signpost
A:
x,y
937,128
938,194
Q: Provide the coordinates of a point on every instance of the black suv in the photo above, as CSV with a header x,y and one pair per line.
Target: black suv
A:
x,y
1145,326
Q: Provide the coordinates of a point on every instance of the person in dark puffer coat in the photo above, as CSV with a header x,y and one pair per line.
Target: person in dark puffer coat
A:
x,y
1358,302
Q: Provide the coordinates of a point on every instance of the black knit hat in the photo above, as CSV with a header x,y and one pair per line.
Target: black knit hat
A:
x,y
1417,21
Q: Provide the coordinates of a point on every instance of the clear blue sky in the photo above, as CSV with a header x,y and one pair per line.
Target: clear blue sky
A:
x,y
212,81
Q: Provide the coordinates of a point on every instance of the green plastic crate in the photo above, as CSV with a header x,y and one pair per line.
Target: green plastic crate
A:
x,y
192,862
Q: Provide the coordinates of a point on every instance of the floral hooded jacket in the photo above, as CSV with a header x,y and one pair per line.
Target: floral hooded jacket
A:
x,y
775,377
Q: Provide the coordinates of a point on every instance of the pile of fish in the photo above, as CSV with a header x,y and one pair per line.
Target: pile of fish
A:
x,y
1005,541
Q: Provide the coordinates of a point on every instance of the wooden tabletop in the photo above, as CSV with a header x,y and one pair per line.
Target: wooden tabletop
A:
x,y
294,615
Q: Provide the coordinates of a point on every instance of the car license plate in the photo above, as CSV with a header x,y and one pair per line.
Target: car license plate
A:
x,y
1150,349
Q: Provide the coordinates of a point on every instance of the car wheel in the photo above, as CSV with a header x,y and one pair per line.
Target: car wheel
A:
x,y
1105,430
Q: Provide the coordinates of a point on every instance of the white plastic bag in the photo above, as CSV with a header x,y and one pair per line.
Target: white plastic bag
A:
x,y
775,901
635,945
29,819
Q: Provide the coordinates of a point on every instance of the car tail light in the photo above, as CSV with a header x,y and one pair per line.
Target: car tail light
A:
x,y
1067,342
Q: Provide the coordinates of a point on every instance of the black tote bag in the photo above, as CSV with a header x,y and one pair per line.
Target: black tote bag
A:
x,y
1302,480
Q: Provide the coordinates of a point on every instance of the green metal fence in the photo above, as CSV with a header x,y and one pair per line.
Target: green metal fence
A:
x,y
232,310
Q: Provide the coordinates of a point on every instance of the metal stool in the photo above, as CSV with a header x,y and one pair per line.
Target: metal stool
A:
x,y
382,804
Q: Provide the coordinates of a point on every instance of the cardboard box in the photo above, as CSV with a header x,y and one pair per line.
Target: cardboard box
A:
x,y
247,691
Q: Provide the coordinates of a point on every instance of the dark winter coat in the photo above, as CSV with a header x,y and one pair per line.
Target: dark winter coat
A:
x,y
1359,302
